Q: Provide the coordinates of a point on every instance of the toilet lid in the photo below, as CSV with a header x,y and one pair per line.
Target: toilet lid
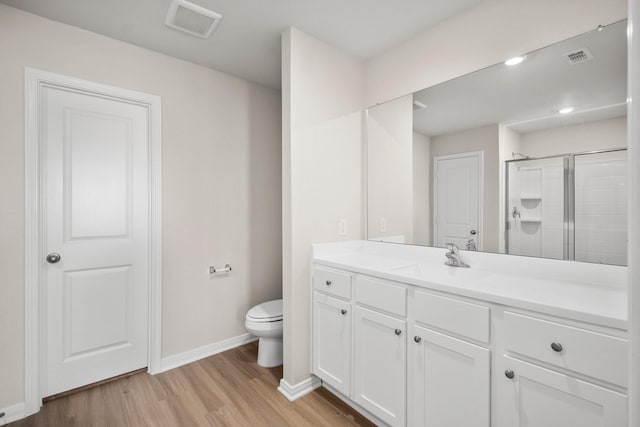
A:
x,y
267,311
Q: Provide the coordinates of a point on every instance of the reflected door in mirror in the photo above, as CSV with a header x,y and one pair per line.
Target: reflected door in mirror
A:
x,y
457,197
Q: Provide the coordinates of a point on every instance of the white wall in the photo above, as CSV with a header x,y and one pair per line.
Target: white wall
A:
x,y
509,143
389,170
480,139
598,135
221,182
421,189
322,103
484,35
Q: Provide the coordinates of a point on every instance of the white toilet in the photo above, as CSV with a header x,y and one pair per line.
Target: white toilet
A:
x,y
265,322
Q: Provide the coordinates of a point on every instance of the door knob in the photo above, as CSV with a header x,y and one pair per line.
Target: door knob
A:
x,y
417,338
473,232
53,258
398,331
509,374
343,311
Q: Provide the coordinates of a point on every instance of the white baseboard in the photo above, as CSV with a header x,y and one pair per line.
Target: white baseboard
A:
x,y
12,413
196,354
293,392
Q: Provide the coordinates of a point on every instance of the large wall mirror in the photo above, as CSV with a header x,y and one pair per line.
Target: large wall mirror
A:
x,y
526,157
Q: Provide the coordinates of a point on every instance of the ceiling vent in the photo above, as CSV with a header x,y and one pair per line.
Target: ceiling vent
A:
x,y
417,106
580,55
192,19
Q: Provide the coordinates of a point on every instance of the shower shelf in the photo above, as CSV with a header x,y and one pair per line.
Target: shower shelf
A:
x,y
530,197
531,219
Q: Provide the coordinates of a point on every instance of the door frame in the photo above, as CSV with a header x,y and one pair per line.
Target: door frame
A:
x,y
34,344
434,186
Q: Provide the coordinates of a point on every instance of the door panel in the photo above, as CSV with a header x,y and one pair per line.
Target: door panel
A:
x,y
539,397
96,216
97,168
97,305
450,381
457,193
332,341
380,365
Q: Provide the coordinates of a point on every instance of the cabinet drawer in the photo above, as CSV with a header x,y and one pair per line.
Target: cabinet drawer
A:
x,y
332,282
382,295
452,315
579,350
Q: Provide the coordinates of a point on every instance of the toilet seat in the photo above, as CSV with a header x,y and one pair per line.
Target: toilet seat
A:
x,y
270,311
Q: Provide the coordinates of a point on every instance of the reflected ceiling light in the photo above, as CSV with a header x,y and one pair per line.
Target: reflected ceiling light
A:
x,y
565,110
515,60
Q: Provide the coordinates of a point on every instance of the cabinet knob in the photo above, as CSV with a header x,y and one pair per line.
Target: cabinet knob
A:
x,y
556,346
328,283
343,311
398,331
417,338
509,373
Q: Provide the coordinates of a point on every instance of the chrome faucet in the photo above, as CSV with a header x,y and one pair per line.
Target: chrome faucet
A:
x,y
454,257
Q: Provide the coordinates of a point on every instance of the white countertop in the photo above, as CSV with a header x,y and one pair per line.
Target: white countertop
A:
x,y
601,304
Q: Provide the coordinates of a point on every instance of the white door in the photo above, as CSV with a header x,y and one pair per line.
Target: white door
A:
x,y
457,199
532,396
96,217
380,365
332,341
450,381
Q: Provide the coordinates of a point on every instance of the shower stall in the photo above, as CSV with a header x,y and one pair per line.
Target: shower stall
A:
x,y
571,206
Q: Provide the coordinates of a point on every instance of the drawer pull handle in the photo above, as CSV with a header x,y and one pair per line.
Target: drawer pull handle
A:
x,y
509,374
343,311
417,339
328,283
556,346
398,331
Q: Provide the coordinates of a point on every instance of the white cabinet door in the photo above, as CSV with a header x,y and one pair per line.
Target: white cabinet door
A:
x,y
539,397
449,381
380,365
332,341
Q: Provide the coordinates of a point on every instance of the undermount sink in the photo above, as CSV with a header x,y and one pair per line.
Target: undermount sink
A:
x,y
441,273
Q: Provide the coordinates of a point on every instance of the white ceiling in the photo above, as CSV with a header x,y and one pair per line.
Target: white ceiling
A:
x,y
247,41
527,96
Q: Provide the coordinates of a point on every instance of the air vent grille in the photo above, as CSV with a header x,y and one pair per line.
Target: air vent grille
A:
x,y
192,19
578,56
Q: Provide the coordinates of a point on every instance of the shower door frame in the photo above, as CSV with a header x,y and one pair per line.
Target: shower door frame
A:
x,y
569,238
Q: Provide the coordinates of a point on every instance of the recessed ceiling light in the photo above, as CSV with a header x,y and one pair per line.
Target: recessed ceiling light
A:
x,y
565,110
515,60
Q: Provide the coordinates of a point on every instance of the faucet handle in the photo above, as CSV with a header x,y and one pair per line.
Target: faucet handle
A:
x,y
453,248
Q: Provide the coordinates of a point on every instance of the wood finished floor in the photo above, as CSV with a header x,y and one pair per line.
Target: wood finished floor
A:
x,y
228,389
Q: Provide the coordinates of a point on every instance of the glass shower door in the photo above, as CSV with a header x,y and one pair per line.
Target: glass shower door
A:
x,y
535,214
601,207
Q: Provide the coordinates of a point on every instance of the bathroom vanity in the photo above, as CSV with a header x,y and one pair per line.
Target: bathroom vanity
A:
x,y
509,342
